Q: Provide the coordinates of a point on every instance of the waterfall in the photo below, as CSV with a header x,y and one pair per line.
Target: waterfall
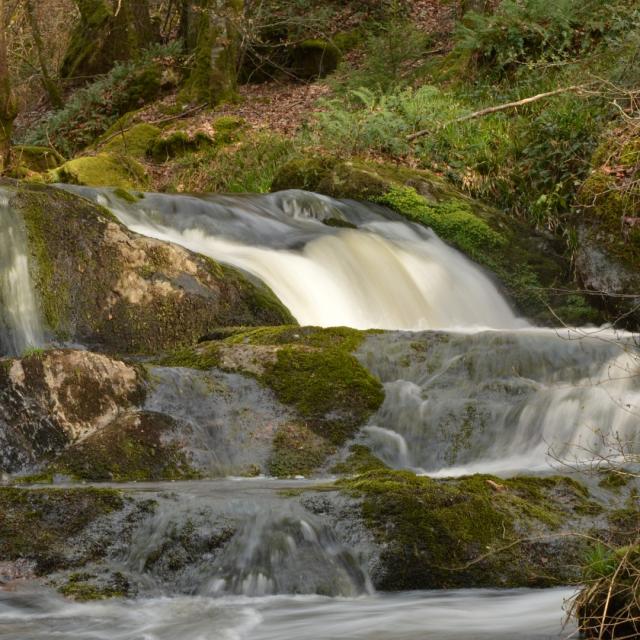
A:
x,y
20,324
385,274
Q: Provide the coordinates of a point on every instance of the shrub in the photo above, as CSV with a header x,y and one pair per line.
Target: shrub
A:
x,y
525,32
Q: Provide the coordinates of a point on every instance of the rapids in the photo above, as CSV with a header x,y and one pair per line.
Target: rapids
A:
x,y
33,614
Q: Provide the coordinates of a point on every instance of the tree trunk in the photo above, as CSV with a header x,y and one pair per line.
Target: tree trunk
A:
x,y
214,75
108,32
8,104
51,86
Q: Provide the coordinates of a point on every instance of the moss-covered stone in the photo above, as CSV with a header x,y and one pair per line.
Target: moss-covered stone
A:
x,y
50,399
81,586
607,218
360,460
178,143
34,158
102,170
472,532
135,447
40,524
135,141
313,59
309,369
101,285
528,264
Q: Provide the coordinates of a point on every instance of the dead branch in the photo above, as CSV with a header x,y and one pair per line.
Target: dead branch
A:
x,y
500,107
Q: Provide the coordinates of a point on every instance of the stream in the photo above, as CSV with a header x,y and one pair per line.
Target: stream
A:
x,y
469,387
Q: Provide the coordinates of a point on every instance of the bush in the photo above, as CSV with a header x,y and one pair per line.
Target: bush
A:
x,y
93,109
526,32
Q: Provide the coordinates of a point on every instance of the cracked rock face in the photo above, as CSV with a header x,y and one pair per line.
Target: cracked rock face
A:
x,y
50,400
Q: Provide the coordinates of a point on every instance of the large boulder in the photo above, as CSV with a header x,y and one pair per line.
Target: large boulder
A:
x,y
607,219
104,286
529,265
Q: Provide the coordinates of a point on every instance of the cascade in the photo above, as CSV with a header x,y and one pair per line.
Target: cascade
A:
x,y
498,402
486,393
20,324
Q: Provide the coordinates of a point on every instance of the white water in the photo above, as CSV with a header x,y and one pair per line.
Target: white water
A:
x,y
497,402
20,325
32,614
387,274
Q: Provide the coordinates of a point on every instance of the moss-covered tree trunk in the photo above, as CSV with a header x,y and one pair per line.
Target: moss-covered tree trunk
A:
x,y
212,28
108,32
48,82
8,105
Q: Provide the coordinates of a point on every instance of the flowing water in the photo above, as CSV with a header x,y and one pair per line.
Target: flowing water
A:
x,y
469,387
386,274
20,324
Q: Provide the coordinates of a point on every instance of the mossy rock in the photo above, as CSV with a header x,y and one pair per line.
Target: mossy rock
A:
x,y
309,369
135,141
607,219
102,170
139,446
479,531
178,143
529,265
41,525
38,159
108,288
313,59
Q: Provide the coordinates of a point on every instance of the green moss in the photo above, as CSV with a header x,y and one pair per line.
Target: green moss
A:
x,y
454,221
614,481
36,158
203,357
178,143
310,369
79,587
312,59
227,129
135,141
102,170
455,533
39,524
135,448
360,460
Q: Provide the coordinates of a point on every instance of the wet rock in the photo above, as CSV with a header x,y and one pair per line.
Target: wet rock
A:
x,y
106,287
